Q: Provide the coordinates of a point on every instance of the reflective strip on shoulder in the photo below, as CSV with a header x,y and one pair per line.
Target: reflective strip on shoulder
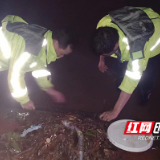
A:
x,y
40,73
44,43
5,48
157,43
125,40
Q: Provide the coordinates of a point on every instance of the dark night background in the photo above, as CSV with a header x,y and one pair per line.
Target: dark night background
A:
x,y
77,75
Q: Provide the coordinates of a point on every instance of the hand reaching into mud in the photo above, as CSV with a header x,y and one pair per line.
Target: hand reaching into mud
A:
x,y
29,105
56,95
122,100
108,116
101,65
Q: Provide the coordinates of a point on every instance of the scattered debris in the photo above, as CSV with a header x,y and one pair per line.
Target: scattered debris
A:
x,y
32,128
58,136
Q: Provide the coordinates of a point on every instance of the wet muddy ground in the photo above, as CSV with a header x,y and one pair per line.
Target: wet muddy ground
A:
x,y
77,75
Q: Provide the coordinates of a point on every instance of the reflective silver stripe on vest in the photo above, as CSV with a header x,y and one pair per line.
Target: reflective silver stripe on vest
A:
x,y
157,43
40,73
18,91
135,74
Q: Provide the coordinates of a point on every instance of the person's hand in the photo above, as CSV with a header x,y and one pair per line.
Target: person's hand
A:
x,y
56,95
29,105
108,116
102,67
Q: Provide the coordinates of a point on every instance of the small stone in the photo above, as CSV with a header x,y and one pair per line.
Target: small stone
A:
x,y
48,140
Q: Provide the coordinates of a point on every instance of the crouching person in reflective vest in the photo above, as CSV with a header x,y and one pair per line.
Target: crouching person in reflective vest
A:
x,y
30,48
129,34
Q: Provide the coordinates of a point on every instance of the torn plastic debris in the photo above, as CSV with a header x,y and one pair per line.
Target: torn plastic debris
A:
x,y
80,137
23,114
32,128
